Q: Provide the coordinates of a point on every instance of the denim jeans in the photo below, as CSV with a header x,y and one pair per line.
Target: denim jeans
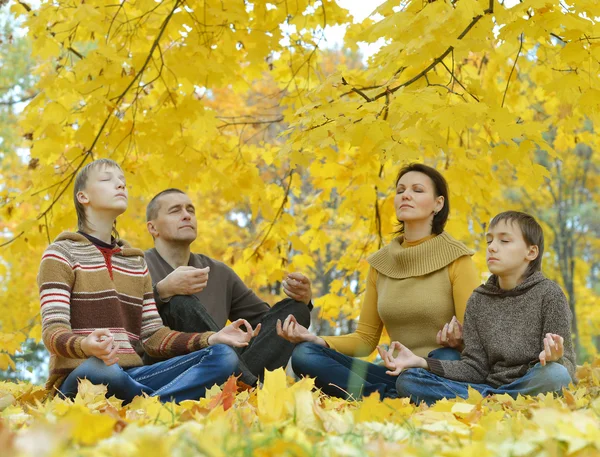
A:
x,y
185,377
422,385
267,350
339,375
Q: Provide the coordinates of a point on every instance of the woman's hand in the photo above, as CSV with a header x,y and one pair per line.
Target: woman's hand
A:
x,y
296,333
233,335
99,344
451,335
553,348
404,358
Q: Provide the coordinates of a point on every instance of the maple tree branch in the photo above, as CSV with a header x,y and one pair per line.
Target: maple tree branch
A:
x,y
12,239
74,51
250,122
378,213
356,90
89,153
25,5
21,100
512,70
454,78
436,61
277,215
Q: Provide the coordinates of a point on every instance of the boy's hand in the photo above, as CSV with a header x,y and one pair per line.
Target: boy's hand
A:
x,y
404,359
553,348
99,344
233,335
451,336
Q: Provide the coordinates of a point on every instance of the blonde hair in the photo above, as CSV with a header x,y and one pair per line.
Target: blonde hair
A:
x,y
79,185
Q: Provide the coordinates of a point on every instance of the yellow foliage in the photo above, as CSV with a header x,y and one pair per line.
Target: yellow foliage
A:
x,y
283,418
290,151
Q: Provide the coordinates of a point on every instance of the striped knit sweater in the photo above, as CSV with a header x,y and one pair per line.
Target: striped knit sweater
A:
x,y
83,288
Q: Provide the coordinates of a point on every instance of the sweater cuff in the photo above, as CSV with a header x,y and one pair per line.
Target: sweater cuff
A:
x,y
157,300
78,349
435,366
203,341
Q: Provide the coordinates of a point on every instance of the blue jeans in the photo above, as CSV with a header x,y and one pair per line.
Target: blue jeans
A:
x,y
185,377
422,385
339,375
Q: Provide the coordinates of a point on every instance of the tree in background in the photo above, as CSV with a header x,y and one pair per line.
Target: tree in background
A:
x,y
289,154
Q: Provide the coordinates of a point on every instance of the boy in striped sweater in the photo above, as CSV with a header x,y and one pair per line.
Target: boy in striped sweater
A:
x,y
98,309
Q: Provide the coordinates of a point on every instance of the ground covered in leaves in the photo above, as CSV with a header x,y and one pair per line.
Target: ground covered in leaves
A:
x,y
286,418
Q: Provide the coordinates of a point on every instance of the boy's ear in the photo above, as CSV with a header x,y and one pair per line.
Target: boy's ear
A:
x,y
82,197
532,253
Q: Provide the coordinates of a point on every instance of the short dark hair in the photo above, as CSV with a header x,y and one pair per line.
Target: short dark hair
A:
x,y
154,205
532,234
441,190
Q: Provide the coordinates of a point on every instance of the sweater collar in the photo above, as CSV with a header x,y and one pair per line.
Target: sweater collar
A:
x,y
123,246
491,287
398,261
98,242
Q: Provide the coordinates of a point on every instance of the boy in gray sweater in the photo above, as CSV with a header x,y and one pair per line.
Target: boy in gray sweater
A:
x,y
517,328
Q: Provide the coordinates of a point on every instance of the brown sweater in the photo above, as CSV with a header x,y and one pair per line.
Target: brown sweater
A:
x,y
225,296
83,287
504,332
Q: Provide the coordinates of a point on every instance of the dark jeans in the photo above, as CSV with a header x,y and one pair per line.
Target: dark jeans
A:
x,y
422,385
185,377
267,350
339,375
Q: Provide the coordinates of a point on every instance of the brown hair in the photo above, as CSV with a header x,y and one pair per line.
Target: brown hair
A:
x,y
532,234
441,190
80,183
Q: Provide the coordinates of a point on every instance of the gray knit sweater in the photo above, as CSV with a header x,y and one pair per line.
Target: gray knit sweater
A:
x,y
504,332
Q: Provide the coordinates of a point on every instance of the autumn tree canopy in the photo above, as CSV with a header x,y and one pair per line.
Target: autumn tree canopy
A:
x,y
290,150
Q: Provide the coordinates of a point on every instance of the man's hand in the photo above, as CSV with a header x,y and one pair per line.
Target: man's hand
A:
x,y
553,348
99,344
297,286
233,335
183,281
295,332
404,358
451,336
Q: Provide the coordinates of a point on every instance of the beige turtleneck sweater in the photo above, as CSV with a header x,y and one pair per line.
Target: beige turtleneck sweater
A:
x,y
413,289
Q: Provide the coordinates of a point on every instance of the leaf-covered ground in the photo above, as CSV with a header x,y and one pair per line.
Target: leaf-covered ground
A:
x,y
286,418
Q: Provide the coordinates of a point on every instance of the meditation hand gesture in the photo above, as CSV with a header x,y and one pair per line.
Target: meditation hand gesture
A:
x,y
404,358
451,335
295,333
233,335
99,344
553,348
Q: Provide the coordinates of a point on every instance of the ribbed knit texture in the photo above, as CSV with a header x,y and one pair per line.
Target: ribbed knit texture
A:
x,y
79,294
399,262
504,332
430,282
